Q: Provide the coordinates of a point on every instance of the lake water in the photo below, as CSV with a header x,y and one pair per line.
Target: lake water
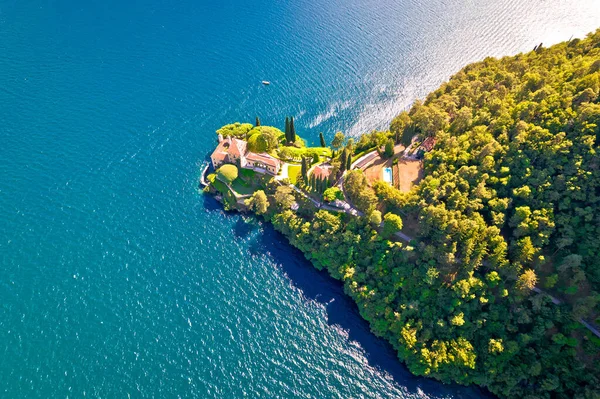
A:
x,y
118,278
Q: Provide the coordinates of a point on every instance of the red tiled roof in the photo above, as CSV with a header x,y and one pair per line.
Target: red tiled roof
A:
x,y
321,172
229,146
264,158
237,148
428,143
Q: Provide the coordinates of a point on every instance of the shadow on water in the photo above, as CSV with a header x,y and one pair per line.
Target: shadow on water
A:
x,y
244,225
212,205
342,311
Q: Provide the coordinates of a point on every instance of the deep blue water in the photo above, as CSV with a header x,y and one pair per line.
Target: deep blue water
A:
x,y
118,278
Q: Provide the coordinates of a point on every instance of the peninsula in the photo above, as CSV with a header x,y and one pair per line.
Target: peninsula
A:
x,y
467,233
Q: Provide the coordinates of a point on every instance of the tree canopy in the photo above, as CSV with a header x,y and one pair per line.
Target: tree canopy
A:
x,y
238,130
264,138
258,202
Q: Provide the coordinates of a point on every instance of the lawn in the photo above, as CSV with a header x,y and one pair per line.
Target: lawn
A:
x,y
293,172
247,174
220,186
241,187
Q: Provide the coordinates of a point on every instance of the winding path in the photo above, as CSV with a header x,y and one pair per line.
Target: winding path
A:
x,y
557,301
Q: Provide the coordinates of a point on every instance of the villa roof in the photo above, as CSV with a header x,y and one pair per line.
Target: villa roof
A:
x,y
229,146
428,143
264,158
322,171
238,147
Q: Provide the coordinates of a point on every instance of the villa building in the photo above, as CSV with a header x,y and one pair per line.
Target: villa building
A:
x,y
261,162
428,144
235,151
322,171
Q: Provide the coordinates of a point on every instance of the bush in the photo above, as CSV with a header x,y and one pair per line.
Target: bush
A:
x,y
238,130
375,218
389,148
296,154
391,224
227,173
332,193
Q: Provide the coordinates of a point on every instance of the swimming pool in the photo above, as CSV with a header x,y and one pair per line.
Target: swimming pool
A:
x,y
387,175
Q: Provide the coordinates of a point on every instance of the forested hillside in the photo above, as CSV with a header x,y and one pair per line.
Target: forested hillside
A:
x,y
508,210
510,201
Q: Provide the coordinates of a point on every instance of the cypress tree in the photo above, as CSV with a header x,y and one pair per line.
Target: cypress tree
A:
x,y
307,167
287,129
292,130
304,170
349,162
322,138
257,123
343,160
315,159
313,182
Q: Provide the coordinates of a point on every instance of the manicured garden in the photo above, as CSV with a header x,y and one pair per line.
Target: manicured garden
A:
x,y
293,172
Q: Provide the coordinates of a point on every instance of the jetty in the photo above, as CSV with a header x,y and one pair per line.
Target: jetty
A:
x,y
203,181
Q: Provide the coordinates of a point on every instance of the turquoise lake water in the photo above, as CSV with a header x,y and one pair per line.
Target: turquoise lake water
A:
x,y
118,278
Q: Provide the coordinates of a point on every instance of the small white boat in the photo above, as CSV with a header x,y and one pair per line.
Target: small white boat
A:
x,y
266,82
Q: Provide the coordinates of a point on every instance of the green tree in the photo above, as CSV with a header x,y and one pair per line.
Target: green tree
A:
x,y
495,346
359,192
322,140
458,319
238,130
258,143
527,280
375,218
350,146
288,137
399,124
343,160
428,118
264,138
392,224
389,148
258,202
283,197
315,159
292,131
304,169
338,141
332,193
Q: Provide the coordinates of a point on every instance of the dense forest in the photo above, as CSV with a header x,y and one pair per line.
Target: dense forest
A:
x,y
507,213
